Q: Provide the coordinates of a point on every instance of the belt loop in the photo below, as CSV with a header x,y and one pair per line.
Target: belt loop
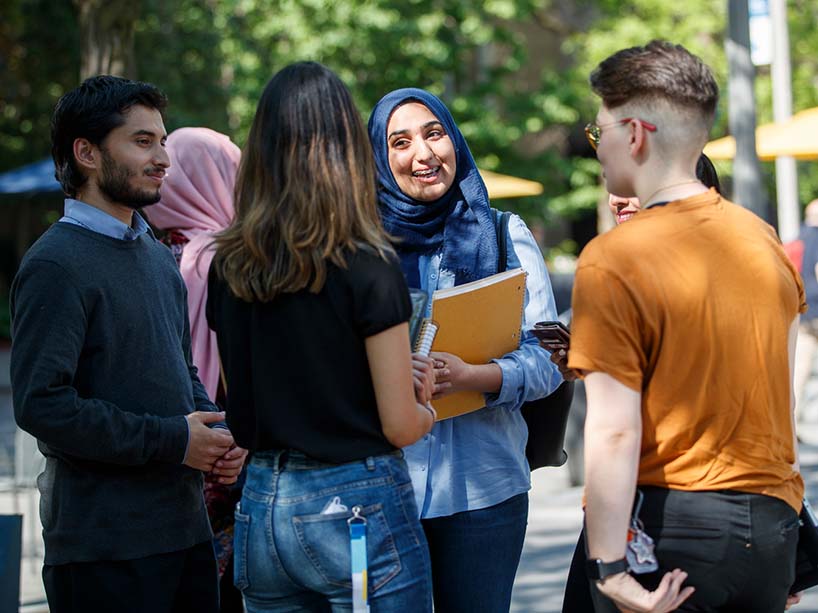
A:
x,y
280,460
370,463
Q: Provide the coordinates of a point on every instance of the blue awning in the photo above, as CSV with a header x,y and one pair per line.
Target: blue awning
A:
x,y
30,179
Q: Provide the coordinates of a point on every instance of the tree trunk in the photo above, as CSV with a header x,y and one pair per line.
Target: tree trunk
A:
x,y
107,37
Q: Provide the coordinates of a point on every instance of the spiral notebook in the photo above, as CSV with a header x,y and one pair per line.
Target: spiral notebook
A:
x,y
477,321
426,336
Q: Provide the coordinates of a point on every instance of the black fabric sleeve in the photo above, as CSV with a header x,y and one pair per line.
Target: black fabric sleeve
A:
x,y
233,332
49,320
379,293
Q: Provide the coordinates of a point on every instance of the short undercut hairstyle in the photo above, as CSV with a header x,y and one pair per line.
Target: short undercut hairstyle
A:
x,y
91,111
659,70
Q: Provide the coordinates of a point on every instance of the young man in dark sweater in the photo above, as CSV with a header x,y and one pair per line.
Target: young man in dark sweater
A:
x,y
102,374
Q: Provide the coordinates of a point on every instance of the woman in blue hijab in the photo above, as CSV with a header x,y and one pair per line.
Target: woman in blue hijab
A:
x,y
470,474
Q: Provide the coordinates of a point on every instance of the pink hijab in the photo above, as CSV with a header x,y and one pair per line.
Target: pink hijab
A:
x,y
197,200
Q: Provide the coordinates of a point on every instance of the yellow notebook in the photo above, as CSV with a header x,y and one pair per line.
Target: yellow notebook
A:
x,y
477,321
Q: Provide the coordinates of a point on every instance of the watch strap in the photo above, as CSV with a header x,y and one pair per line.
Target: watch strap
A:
x,y
598,570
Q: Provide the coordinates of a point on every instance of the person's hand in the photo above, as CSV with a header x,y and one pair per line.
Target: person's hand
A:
x,y
228,467
423,376
560,358
450,373
206,445
793,599
630,597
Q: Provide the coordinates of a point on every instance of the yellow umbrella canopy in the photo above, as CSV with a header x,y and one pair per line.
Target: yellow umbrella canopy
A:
x,y
796,137
506,186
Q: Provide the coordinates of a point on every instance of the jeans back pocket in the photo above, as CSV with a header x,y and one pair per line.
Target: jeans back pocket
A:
x,y
676,544
324,539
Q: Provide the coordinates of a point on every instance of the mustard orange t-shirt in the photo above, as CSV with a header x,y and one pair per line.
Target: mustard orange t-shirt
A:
x,y
690,304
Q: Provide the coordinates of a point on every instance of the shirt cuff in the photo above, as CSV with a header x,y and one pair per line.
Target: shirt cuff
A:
x,y
512,382
173,432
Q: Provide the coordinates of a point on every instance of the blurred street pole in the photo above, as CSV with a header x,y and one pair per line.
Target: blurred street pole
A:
x,y
786,177
748,189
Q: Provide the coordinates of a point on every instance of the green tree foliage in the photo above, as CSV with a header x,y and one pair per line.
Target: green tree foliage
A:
x,y
466,51
514,72
179,49
39,61
699,25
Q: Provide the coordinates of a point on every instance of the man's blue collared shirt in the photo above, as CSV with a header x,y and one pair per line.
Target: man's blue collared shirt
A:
x,y
96,220
478,459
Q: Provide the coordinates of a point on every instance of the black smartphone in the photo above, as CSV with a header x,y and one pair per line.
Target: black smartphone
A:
x,y
419,300
552,334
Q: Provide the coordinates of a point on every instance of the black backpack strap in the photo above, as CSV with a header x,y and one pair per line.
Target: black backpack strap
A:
x,y
501,228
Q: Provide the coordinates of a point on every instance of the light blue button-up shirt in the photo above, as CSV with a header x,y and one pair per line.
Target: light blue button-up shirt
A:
x,y
478,459
97,220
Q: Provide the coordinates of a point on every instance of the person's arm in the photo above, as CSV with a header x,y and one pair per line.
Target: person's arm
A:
x,y
453,375
423,377
527,372
404,420
613,433
792,339
49,320
229,465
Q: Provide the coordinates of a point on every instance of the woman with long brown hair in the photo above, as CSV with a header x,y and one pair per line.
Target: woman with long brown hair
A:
x,y
310,308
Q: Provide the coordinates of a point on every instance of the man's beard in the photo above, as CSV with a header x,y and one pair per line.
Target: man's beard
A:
x,y
114,182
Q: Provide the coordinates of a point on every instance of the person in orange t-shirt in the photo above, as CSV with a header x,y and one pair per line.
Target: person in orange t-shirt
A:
x,y
684,326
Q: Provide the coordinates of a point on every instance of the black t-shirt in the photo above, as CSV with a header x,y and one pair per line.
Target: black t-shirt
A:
x,y
296,367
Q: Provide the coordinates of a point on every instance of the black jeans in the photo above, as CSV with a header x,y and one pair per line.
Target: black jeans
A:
x,y
184,581
577,597
738,549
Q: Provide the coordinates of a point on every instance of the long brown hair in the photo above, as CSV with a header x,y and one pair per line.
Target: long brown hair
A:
x,y
305,191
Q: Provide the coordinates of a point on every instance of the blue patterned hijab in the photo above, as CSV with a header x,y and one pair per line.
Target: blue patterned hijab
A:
x,y
461,221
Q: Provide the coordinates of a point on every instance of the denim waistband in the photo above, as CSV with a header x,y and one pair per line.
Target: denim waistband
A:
x,y
292,459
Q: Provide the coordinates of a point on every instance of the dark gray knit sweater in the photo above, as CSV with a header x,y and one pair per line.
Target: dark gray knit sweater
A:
x,y
101,375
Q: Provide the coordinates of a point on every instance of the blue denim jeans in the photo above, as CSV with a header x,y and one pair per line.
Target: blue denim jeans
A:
x,y
475,555
292,556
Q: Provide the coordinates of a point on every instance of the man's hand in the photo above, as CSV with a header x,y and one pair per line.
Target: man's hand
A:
x,y
229,466
560,358
630,597
206,445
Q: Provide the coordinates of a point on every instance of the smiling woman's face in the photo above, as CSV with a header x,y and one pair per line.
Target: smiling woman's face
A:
x,y
623,208
421,154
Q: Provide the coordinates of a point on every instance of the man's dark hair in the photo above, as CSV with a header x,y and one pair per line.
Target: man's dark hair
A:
x,y
658,70
91,111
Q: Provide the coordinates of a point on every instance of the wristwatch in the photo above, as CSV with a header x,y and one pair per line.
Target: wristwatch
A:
x,y
598,570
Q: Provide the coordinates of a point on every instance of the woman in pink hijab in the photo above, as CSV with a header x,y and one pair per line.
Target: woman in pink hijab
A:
x,y
197,201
